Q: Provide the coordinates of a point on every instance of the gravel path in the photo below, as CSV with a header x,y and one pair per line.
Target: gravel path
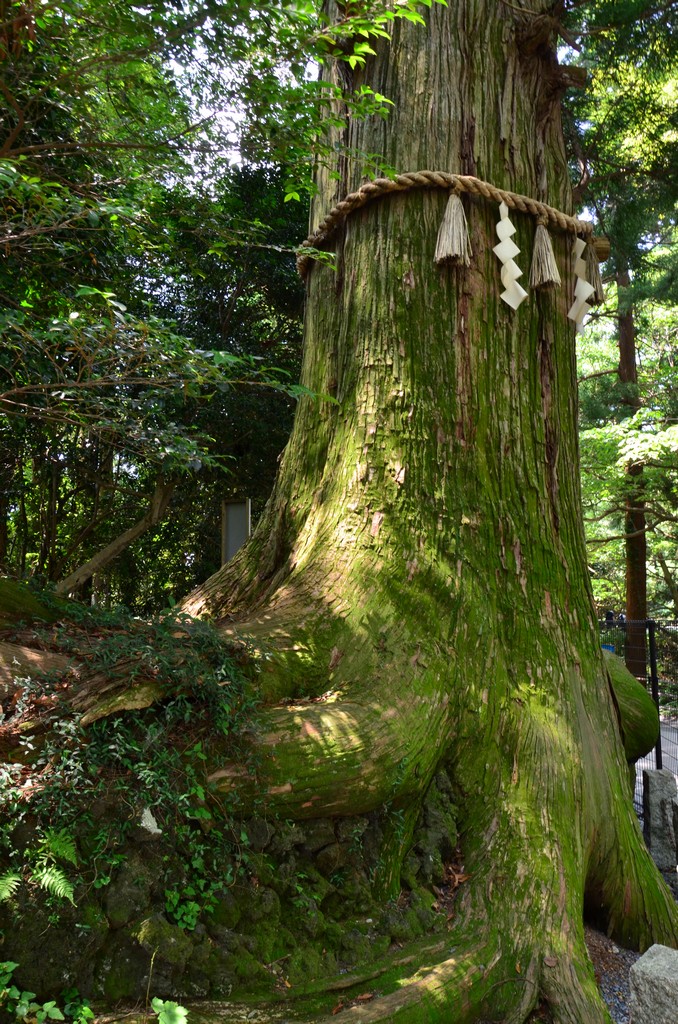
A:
x,y
612,965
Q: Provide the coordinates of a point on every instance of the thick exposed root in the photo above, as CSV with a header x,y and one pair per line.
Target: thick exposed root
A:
x,y
625,894
518,941
344,758
17,661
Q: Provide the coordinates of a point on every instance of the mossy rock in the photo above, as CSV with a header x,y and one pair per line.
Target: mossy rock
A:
x,y
410,871
226,913
264,868
307,917
51,956
351,894
639,715
259,833
356,947
123,969
249,975
421,904
163,940
331,858
269,941
318,833
431,867
308,964
259,904
129,894
402,924
219,973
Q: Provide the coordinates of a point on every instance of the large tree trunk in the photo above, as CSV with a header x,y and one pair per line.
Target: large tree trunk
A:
x,y
422,563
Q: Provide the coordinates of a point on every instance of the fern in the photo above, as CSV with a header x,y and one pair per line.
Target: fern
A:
x,y
52,879
9,883
60,845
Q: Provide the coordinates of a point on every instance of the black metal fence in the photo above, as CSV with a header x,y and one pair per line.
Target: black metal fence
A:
x,y
650,649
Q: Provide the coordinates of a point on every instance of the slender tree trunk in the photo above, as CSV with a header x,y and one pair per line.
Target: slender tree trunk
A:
x,y
5,507
49,470
158,504
23,528
421,563
634,516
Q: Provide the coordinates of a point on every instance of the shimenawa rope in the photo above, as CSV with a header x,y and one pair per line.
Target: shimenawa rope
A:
x,y
441,179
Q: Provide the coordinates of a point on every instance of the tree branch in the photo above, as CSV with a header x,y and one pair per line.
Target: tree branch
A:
x,y
157,507
600,373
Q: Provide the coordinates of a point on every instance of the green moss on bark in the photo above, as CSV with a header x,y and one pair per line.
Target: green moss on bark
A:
x,y
637,711
19,604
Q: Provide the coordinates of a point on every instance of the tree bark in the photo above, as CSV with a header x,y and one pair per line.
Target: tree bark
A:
x,y
17,661
421,564
159,502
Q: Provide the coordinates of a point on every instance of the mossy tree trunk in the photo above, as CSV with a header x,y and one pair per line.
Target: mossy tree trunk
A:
x,y
421,562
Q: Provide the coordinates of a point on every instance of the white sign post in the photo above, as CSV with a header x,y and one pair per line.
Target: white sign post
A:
x,y
236,526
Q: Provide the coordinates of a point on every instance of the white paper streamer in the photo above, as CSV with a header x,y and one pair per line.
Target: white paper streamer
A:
x,y
506,250
582,289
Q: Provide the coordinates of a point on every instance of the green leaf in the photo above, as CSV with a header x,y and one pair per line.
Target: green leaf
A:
x,y
9,883
53,1011
169,1012
60,844
52,879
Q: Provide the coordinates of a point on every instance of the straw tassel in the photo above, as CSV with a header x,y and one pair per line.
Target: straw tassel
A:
x,y
544,269
453,245
593,275
583,289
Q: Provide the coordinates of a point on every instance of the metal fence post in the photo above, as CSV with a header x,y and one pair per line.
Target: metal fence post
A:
x,y
654,682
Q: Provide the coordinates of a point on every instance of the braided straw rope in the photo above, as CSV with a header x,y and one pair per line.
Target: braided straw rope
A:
x,y
437,179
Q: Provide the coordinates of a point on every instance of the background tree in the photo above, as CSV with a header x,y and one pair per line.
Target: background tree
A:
x,y
99,389
624,139
610,437
107,111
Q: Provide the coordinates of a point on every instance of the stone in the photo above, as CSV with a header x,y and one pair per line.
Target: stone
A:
x,y
287,835
226,913
129,894
305,965
163,940
262,904
654,987
659,794
318,833
52,955
351,830
331,858
259,834
122,971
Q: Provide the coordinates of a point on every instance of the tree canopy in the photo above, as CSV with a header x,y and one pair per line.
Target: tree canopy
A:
x,y
624,135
